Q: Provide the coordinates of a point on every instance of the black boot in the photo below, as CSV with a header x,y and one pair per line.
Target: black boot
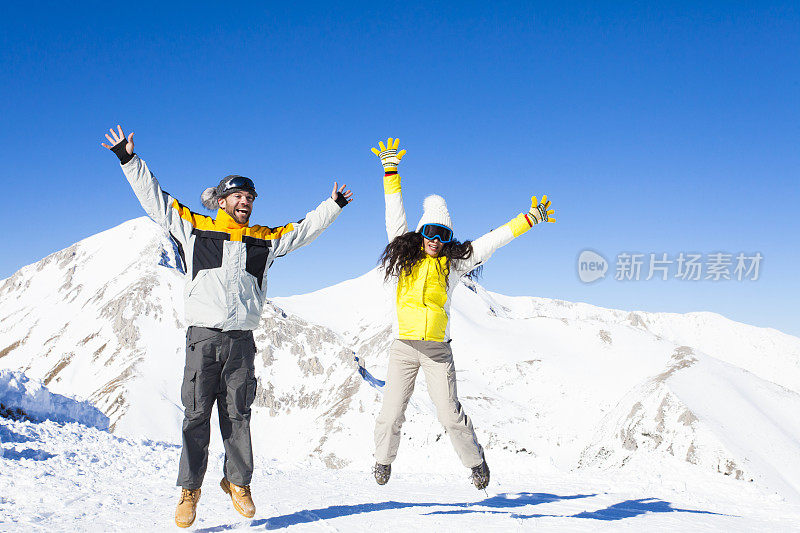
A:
x,y
382,473
480,475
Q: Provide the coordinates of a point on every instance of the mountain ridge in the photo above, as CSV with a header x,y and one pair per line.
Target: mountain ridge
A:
x,y
547,382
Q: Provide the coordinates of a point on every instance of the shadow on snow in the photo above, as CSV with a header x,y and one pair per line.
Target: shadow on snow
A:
x,y
618,511
6,435
493,505
633,508
29,453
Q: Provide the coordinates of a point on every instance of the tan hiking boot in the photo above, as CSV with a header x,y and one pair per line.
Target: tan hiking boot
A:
x,y
240,496
187,506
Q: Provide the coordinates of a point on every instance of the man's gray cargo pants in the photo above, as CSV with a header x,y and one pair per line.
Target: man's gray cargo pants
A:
x,y
219,366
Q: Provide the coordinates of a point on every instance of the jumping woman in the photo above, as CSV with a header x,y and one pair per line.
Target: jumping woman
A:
x,y
426,266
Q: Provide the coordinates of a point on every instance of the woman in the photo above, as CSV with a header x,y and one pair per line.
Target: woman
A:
x,y
426,266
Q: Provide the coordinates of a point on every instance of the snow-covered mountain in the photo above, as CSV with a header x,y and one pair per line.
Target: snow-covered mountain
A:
x,y
548,383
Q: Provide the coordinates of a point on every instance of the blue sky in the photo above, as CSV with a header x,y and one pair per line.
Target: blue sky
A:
x,y
664,129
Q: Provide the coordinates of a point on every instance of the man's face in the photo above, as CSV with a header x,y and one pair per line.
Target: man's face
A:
x,y
432,247
238,205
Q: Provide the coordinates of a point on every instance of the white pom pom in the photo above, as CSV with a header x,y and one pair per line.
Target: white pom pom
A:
x,y
434,211
434,202
209,199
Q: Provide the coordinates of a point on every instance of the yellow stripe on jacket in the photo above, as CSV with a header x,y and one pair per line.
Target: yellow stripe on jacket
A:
x,y
226,224
421,298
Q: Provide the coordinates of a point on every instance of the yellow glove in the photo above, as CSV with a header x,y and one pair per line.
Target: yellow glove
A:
x,y
388,155
540,211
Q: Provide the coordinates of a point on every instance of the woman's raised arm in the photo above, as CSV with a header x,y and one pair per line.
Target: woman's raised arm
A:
x,y
396,224
483,247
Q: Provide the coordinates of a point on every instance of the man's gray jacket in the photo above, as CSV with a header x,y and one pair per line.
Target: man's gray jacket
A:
x,y
225,262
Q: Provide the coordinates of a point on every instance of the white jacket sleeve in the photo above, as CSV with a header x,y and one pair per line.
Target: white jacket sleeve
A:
x,y
159,206
300,233
396,224
483,247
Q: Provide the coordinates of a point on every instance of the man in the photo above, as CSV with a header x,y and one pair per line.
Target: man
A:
x,y
225,262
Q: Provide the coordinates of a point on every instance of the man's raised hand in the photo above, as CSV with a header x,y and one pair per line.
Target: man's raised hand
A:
x,y
116,137
346,194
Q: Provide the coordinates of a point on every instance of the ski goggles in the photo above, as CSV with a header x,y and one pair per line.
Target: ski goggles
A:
x,y
238,183
437,231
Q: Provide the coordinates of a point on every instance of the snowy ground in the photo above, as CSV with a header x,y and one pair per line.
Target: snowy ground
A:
x,y
66,476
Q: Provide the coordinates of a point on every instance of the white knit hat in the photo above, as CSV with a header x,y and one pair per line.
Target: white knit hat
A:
x,y
434,211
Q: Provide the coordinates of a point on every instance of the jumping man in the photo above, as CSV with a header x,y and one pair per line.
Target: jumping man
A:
x,y
226,262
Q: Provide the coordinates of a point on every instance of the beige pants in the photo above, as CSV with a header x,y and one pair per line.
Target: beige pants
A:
x,y
436,360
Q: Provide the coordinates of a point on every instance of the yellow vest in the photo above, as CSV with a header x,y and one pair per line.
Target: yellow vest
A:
x,y
421,298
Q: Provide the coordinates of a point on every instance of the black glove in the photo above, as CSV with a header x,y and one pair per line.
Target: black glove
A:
x,y
120,151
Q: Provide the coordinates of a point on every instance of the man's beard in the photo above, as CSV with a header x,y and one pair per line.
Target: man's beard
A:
x,y
235,216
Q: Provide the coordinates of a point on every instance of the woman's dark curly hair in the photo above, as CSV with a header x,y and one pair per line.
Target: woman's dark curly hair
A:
x,y
405,251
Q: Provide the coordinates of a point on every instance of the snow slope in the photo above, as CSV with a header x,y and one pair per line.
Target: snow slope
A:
x,y
557,390
588,387
70,477
100,320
